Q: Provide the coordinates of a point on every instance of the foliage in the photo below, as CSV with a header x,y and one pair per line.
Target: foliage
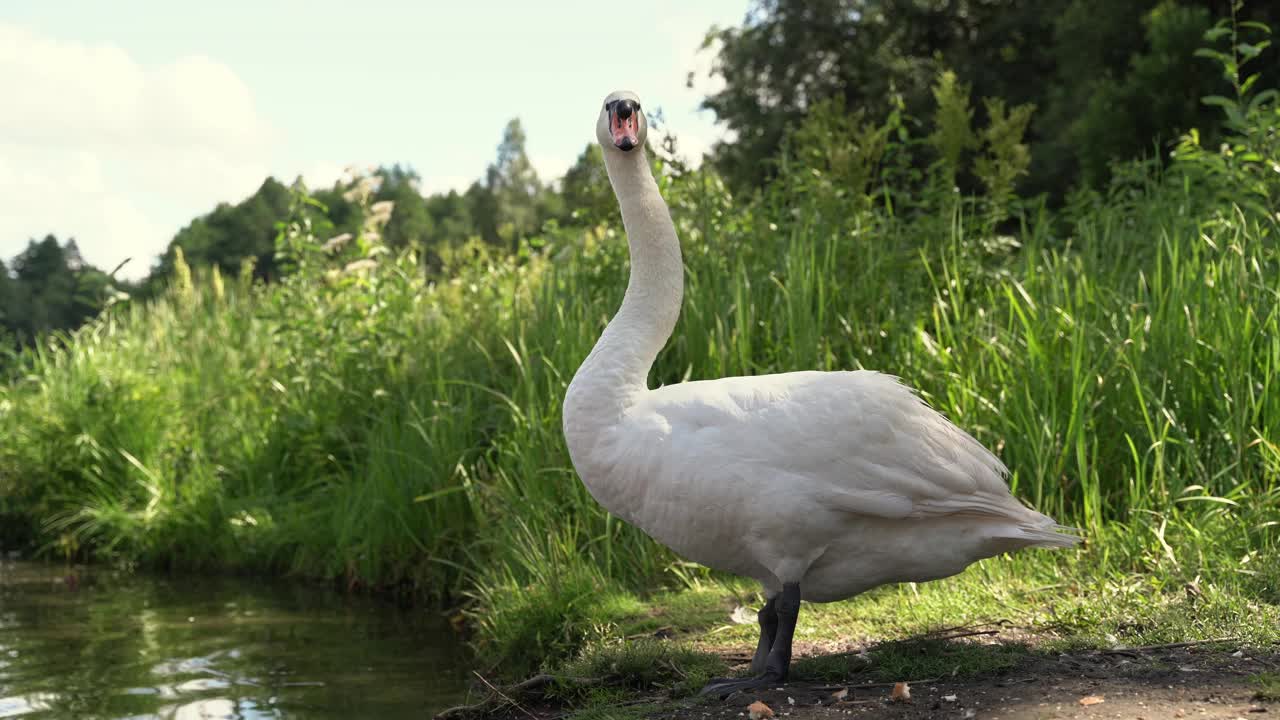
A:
x,y
231,234
50,288
515,187
1114,80
1006,157
952,122
1245,165
645,664
585,190
1268,684
411,223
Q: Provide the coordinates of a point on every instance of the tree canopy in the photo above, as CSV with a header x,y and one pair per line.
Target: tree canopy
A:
x,y
1110,79
49,287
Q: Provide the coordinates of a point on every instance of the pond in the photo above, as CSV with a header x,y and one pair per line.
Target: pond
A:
x,y
94,643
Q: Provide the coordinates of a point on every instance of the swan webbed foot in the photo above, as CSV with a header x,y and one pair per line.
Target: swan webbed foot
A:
x,y
724,687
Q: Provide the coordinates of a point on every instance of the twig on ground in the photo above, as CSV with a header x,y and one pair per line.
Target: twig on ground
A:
x,y
967,634
1166,646
525,686
504,696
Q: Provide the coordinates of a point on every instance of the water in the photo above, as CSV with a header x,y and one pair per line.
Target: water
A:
x,y
89,643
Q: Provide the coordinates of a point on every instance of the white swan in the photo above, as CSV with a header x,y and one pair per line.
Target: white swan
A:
x,y
820,485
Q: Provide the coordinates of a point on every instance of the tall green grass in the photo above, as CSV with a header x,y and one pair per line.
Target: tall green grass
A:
x,y
391,430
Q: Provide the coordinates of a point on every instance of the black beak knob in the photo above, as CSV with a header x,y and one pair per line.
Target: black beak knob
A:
x,y
624,109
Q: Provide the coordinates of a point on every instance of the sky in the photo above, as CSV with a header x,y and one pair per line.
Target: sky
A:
x,y
123,121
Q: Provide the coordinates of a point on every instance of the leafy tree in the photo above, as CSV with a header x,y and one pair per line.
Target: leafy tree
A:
x,y
411,223
8,298
451,217
585,189
51,288
1112,78
482,206
515,187
232,234
1103,107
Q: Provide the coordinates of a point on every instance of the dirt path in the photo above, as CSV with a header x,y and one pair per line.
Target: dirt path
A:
x,y
1162,683
1181,683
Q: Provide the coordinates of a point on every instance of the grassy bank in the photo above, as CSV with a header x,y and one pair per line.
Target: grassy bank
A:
x,y
372,424
1004,622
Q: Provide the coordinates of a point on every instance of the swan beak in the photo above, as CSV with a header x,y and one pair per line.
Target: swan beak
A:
x,y
624,124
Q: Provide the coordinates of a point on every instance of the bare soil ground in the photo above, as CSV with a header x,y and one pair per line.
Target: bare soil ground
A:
x,y
1155,685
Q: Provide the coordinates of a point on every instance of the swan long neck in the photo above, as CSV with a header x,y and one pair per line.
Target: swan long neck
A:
x,y
616,372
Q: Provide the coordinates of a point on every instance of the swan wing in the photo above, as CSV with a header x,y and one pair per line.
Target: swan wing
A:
x,y
860,442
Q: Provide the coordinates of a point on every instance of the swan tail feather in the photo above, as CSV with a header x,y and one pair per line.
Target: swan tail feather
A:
x,y
1046,535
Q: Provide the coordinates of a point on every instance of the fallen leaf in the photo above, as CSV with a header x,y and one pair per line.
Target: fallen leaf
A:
x,y
791,700
1091,700
759,711
901,692
949,698
743,616
840,694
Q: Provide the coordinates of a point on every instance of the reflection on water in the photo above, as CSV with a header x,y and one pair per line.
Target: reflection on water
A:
x,y
90,643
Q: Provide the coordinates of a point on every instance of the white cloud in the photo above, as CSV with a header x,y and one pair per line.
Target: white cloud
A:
x,y
118,154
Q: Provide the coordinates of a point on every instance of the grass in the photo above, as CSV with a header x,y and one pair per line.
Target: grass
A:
x,y
910,632
401,432
1268,686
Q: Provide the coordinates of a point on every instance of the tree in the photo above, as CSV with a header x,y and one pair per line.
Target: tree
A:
x,y
411,223
1114,98
1104,91
8,297
52,288
587,196
231,234
482,206
451,215
515,187
790,54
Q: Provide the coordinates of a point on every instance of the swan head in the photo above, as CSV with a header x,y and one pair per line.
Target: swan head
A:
x,y
621,127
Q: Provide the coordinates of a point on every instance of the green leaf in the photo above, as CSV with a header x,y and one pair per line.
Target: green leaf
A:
x,y
1212,34
1218,101
1255,25
439,493
1248,50
1266,96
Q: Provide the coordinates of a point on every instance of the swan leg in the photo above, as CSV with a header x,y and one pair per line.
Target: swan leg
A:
x,y
777,661
768,617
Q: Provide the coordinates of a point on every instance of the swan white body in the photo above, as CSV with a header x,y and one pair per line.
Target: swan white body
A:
x,y
837,481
